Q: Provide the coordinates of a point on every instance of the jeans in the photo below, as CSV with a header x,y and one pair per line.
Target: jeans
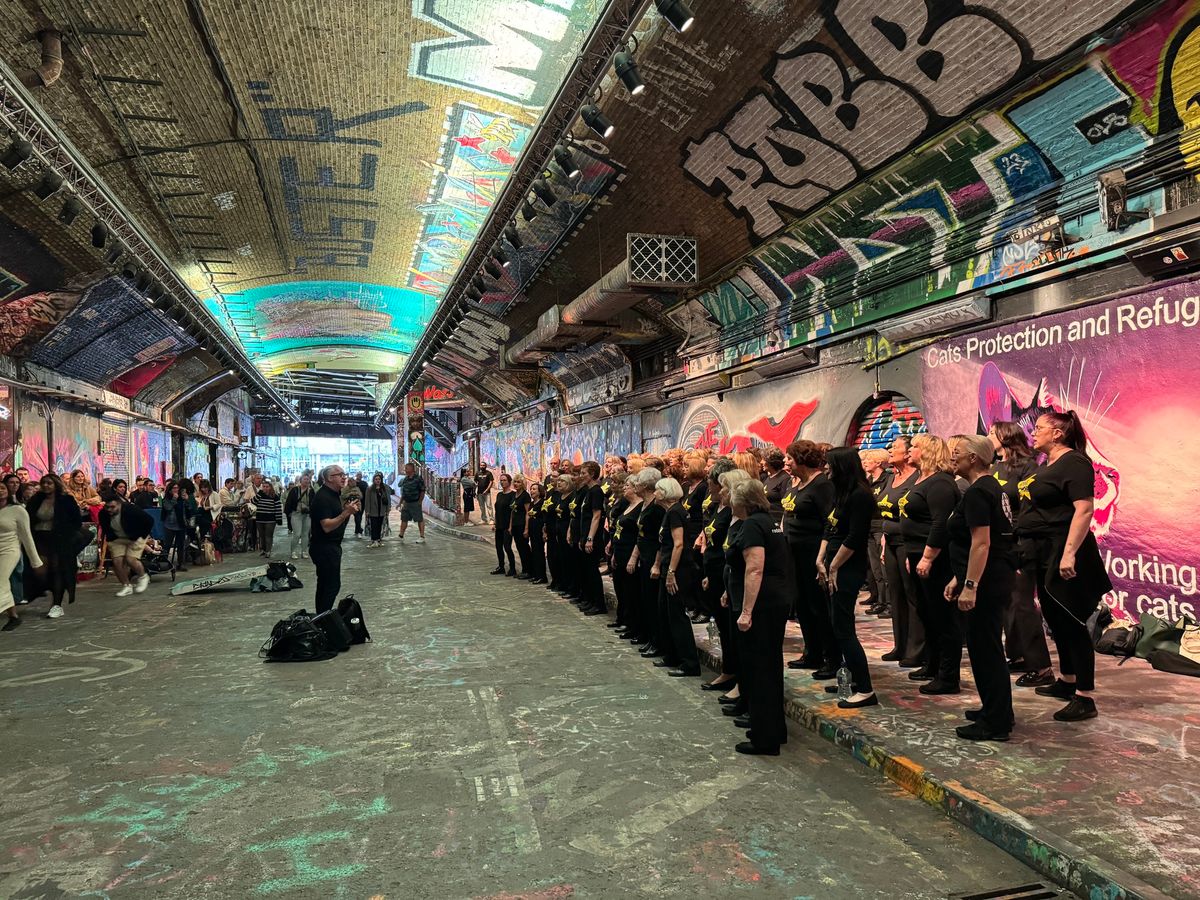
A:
x,y
300,523
327,560
266,536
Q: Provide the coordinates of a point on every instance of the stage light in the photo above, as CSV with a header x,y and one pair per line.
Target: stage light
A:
x,y
627,71
545,193
504,258
50,185
71,208
512,236
566,161
494,269
528,211
676,13
597,121
479,284
99,235
18,151
113,254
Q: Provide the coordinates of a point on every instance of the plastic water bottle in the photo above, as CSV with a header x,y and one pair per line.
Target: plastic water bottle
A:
x,y
713,634
843,678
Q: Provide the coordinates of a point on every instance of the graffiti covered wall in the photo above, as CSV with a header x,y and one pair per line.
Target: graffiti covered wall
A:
x,y
620,435
76,438
195,458
150,453
520,447
1119,366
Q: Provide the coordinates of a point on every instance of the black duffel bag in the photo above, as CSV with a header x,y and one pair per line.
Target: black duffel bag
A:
x,y
296,639
352,614
337,635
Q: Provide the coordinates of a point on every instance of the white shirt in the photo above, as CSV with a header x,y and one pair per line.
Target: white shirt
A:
x,y
15,534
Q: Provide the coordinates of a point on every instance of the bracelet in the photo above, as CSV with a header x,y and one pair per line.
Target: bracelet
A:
x,y
670,571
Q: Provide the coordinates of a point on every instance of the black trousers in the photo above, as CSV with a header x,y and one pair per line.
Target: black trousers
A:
x,y
376,523
61,571
710,602
986,650
850,578
358,516
537,555
679,641
1067,616
812,606
625,586
943,631
568,578
591,586
760,681
1024,634
504,547
647,608
904,596
522,544
552,559
327,560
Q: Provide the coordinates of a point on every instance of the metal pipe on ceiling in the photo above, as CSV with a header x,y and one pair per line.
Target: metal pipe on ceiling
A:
x,y
52,61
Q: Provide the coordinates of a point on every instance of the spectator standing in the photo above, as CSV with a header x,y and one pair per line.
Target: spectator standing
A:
x,y
15,537
268,515
378,503
329,517
125,528
483,489
466,483
361,484
177,508
412,495
296,508
54,518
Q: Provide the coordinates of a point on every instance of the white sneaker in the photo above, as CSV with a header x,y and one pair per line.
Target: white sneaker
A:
x,y
142,583
125,590
56,612
304,554
420,540
295,556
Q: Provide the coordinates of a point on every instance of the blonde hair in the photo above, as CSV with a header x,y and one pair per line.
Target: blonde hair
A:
x,y
634,463
747,462
519,479
874,457
935,455
978,445
734,477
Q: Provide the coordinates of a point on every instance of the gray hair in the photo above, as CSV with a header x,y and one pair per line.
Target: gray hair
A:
x,y
750,495
669,488
732,477
324,476
646,479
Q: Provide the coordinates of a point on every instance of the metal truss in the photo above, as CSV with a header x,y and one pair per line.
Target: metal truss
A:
x,y
615,25
22,116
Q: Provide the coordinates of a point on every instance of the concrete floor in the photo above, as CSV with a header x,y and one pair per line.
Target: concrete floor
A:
x,y
491,742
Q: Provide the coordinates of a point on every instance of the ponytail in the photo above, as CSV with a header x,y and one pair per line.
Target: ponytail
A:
x,y
1072,429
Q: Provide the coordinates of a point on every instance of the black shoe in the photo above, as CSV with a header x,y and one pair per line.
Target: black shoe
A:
x,y
911,663
524,576
1077,710
921,674
885,613
972,715
940,687
11,624
742,722
752,749
722,686
537,580
1060,689
824,674
804,663
665,663
1017,665
594,610
614,625
512,574
729,701
650,650
892,656
741,708
1035,680
496,571
977,731
684,673
851,704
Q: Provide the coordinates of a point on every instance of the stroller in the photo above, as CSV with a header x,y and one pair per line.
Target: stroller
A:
x,y
156,560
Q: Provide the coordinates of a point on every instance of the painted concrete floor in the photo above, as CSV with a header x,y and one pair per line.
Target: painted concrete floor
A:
x,y
491,742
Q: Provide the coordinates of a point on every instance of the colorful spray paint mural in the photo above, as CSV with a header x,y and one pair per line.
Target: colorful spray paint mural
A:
x,y
1119,366
195,458
520,447
76,439
940,223
620,435
150,455
225,463
114,444
8,429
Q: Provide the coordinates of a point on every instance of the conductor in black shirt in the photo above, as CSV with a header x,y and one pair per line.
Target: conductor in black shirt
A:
x,y
329,517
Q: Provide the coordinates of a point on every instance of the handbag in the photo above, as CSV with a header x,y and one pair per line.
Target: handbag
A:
x,y
1158,635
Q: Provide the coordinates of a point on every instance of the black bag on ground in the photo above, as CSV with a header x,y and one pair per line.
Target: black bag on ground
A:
x,y
1175,663
296,639
1118,641
337,634
350,611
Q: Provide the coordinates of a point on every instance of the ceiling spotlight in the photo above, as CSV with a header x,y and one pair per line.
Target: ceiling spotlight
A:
x,y
18,151
425,365
113,254
566,161
545,193
229,371
512,236
71,208
627,71
676,13
597,121
504,258
144,281
528,211
99,235
479,284
50,185
493,269
473,293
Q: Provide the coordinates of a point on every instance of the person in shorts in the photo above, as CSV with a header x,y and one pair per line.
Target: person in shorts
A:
x,y
412,494
125,527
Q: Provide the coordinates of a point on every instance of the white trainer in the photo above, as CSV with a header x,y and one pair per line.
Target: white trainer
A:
x,y
420,540
125,590
143,582
295,556
56,612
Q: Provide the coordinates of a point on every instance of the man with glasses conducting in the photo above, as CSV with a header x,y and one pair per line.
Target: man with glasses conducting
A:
x,y
329,518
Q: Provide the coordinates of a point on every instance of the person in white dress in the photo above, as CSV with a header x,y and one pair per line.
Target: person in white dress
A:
x,y
15,536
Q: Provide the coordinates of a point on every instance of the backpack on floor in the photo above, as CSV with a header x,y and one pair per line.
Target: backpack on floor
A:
x,y
351,612
1120,641
296,639
337,633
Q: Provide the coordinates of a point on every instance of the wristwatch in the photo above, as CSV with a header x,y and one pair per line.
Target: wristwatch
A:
x,y
670,571
970,585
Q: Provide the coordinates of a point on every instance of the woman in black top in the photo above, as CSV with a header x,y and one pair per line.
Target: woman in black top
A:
x,y
904,593
874,463
676,574
924,510
520,520
1058,546
695,492
54,521
761,596
842,565
1024,634
567,554
644,622
777,481
554,548
983,563
590,534
503,512
534,534
615,504
712,572
622,542
806,507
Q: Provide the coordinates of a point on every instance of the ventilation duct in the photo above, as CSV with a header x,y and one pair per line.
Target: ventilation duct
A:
x,y
52,62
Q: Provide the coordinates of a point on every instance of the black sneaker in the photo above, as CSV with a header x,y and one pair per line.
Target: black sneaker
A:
x,y
977,731
972,715
1060,689
1035,680
1077,710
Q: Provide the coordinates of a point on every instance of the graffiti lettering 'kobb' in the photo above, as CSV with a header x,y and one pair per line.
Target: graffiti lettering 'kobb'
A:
x,y
822,128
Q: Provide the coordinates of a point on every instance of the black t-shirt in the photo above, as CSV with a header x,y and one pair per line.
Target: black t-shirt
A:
x,y
806,510
144,499
878,486
563,515
777,486
536,519
758,530
675,517
693,508
520,508
888,501
326,504
849,523
625,535
924,509
1048,494
591,501
503,509
650,520
983,504
1009,475
484,481
615,511
714,535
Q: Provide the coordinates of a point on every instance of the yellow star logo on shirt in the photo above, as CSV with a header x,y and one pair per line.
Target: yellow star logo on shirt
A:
x,y
1002,481
832,519
706,504
572,506
904,506
1023,487
885,507
788,503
